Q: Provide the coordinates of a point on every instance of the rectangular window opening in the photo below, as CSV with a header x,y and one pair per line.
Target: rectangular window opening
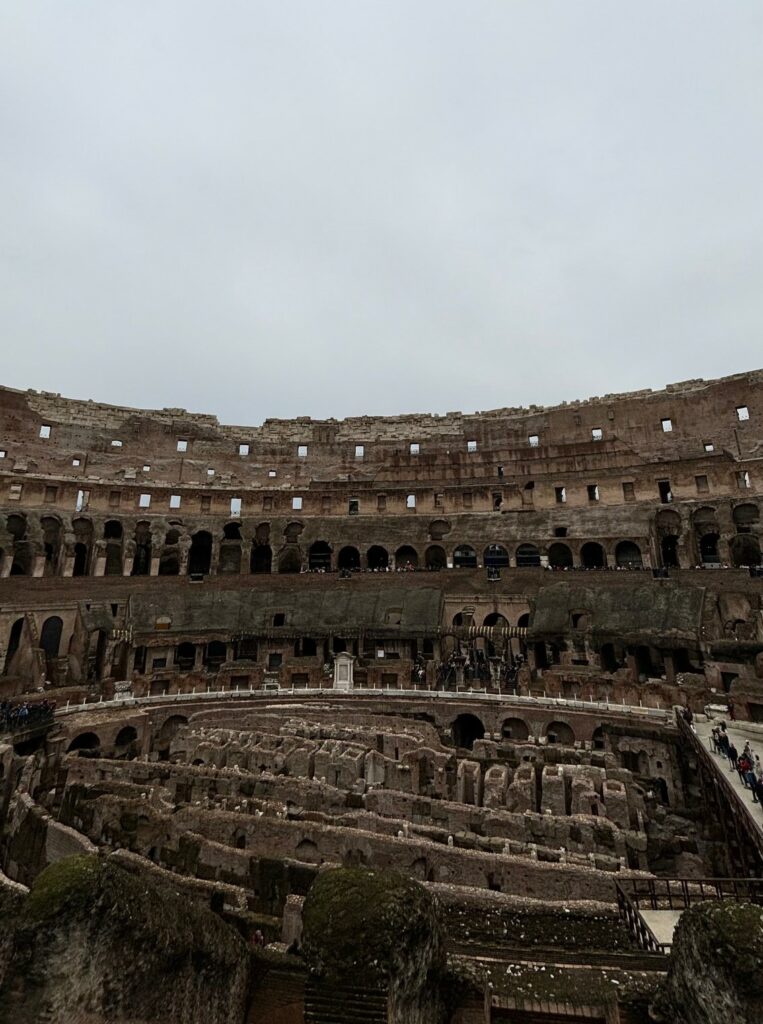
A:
x,y
708,446
116,444
629,491
666,495
243,449
561,495
302,451
702,484
296,504
667,426
45,431
471,446
533,440
743,413
410,501
593,492
144,501
182,445
174,501
360,451
597,434
415,448
235,506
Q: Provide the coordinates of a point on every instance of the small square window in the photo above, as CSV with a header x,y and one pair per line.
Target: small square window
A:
x,y
467,499
296,504
45,431
267,503
279,619
116,444
410,501
667,426
271,473
2,453
381,502
415,448
743,413
708,446
115,499
174,501
629,491
146,468
533,440
354,507
182,445
360,451
51,493
561,495
439,500
206,503
302,451
593,492
210,472
243,449
597,434
235,506
145,501
75,462
560,531
471,446
702,484
14,492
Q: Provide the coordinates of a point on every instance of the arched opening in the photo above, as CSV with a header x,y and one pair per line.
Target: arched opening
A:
x,y
465,557
406,557
592,556
216,654
229,561
561,733
515,729
745,517
80,560
185,656
232,531
466,729
496,621
112,530
319,556
438,529
170,728
495,556
141,565
13,643
348,559
628,555
307,852
611,657
50,636
559,556
377,557
200,555
126,736
290,560
669,552
261,560
708,549
85,741
527,555
435,557
51,536
745,550
597,739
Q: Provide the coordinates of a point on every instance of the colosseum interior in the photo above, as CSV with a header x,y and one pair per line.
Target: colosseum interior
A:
x,y
480,652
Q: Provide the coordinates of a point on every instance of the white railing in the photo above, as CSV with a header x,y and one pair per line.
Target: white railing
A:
x,y
609,707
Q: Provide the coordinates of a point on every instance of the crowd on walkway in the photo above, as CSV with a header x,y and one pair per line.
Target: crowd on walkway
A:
x,y
14,717
746,763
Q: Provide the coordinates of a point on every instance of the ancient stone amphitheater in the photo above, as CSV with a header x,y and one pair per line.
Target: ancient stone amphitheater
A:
x,y
379,719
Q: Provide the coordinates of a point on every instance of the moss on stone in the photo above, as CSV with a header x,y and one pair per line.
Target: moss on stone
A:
x,y
369,925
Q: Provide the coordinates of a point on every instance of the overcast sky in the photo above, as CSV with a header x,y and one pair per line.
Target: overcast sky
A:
x,y
336,208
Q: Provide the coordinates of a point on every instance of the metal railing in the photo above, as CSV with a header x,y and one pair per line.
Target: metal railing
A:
x,y
653,714
671,894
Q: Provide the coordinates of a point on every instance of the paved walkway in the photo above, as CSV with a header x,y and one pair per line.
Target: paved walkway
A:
x,y
739,734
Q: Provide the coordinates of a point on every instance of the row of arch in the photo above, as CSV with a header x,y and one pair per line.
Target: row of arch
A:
x,y
467,728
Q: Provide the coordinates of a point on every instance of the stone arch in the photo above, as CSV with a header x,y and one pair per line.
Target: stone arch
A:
x,y
515,729
561,733
466,729
745,516
559,556
435,557
52,537
200,555
495,556
377,557
592,555
185,656
527,555
628,555
141,565
84,741
50,636
171,726
319,556
465,557
496,621
348,558
406,556
127,734
708,548
307,851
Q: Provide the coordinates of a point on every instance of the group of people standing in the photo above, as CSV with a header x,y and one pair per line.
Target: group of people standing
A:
x,y
747,764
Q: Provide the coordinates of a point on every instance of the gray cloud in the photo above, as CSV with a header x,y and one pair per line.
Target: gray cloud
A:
x,y
278,209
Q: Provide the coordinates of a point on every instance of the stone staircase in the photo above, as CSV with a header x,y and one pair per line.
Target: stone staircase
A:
x,y
344,1004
